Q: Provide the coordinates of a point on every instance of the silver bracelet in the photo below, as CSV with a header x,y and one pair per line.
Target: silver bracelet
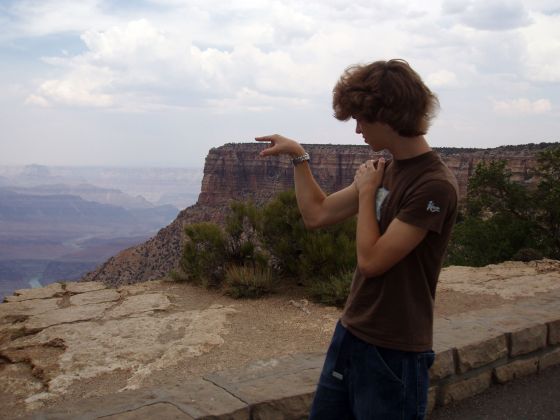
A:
x,y
297,160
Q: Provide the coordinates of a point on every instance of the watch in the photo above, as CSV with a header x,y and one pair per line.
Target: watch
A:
x,y
297,160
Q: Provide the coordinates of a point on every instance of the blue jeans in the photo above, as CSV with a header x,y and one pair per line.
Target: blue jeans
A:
x,y
362,381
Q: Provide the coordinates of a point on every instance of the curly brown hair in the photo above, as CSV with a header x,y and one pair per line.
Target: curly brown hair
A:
x,y
390,92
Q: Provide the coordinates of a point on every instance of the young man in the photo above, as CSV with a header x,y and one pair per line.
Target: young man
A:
x,y
377,363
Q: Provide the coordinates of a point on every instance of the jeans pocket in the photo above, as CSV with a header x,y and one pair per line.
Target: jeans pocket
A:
x,y
390,362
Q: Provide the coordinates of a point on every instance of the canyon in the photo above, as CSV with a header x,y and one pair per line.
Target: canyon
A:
x,y
235,171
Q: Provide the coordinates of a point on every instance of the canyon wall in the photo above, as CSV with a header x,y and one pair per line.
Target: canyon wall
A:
x,y
236,172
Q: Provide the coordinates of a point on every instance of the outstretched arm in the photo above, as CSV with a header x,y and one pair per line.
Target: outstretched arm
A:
x,y
317,209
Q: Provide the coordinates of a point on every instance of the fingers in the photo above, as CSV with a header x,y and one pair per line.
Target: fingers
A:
x,y
264,138
269,151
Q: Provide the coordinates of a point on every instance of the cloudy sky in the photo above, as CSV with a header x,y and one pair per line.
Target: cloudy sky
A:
x,y
159,82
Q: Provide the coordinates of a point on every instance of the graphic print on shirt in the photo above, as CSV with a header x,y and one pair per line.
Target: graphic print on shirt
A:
x,y
432,207
381,195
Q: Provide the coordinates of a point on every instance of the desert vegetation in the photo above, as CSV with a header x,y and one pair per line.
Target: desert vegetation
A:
x,y
261,246
503,220
258,247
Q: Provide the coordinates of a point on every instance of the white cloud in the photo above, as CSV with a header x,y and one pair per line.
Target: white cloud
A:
x,y
542,56
250,100
490,15
441,78
523,106
135,62
208,65
37,100
45,17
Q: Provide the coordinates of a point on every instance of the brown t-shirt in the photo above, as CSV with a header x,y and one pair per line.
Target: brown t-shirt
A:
x,y
395,310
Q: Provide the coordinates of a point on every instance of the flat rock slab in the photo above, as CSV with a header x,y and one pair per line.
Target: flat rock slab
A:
x,y
140,304
96,296
85,286
51,290
66,316
27,308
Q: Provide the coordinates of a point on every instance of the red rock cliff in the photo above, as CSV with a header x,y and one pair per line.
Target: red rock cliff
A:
x,y
236,172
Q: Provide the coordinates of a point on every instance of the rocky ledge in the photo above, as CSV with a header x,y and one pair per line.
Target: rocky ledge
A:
x,y
235,172
54,336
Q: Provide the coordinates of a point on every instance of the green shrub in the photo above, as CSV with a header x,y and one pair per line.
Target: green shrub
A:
x,y
283,233
332,290
204,255
527,254
242,228
477,242
503,217
248,281
300,253
327,251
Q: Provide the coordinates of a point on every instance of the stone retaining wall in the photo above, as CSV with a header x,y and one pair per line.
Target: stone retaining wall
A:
x,y
494,350
473,351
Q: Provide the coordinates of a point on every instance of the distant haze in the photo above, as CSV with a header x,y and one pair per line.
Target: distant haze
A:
x,y
57,223
178,187
160,82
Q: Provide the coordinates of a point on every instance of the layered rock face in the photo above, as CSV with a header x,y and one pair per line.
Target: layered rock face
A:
x,y
236,172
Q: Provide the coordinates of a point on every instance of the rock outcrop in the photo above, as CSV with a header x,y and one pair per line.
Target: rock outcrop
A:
x,y
236,172
64,333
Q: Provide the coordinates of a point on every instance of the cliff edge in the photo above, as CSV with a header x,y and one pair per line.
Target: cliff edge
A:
x,y
236,172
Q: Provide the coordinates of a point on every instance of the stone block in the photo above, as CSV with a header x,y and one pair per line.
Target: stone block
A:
x,y
194,399
550,359
293,408
460,330
528,340
482,353
277,388
554,332
465,388
202,399
516,369
160,411
443,366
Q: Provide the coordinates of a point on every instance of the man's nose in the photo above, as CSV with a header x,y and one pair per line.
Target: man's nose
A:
x,y
358,128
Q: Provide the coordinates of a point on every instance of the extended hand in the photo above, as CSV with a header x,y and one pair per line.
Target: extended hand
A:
x,y
369,175
280,145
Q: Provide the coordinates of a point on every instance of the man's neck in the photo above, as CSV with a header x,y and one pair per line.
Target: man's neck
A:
x,y
408,147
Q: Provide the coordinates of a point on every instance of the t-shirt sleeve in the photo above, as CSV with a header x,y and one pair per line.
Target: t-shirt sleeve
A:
x,y
429,205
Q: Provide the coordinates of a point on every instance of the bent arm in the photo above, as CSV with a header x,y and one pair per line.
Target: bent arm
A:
x,y
316,208
377,254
